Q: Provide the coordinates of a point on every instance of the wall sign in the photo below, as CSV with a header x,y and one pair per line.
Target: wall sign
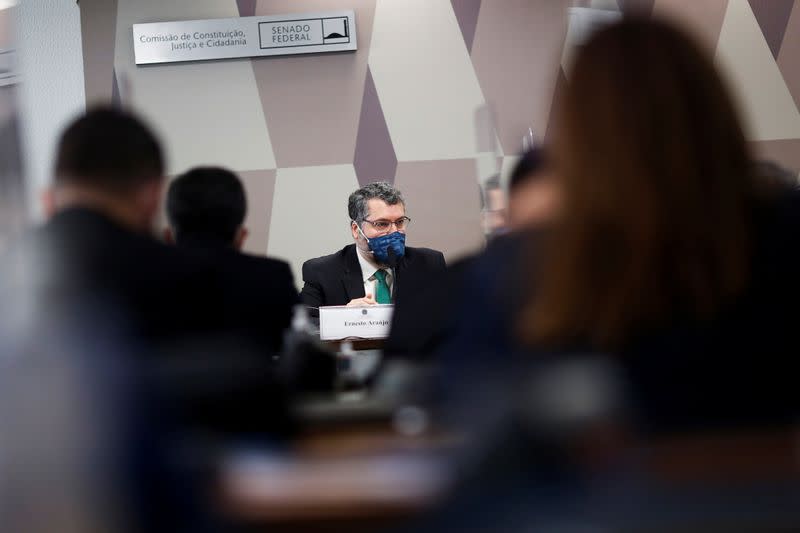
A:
x,y
201,40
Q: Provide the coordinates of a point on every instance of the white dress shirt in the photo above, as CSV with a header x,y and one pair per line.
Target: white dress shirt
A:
x,y
368,270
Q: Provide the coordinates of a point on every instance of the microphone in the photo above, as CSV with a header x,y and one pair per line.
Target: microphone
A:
x,y
393,258
394,261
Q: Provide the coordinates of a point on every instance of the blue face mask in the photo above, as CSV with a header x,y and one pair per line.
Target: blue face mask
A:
x,y
380,246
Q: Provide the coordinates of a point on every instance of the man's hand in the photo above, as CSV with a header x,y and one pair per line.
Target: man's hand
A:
x,y
361,302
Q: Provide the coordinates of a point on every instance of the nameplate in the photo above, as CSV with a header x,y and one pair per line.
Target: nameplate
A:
x,y
340,322
229,38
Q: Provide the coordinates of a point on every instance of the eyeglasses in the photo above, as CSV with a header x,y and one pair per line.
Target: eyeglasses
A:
x,y
384,225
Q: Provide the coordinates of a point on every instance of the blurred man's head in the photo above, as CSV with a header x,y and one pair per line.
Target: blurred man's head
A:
x,y
110,161
207,206
533,197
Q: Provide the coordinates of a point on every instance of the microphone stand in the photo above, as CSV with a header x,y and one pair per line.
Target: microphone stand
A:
x,y
394,262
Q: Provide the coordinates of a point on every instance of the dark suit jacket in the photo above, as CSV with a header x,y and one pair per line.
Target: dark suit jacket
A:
x,y
426,320
336,279
196,321
160,294
191,328
262,291
81,257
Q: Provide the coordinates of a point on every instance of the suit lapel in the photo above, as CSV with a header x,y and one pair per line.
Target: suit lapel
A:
x,y
353,279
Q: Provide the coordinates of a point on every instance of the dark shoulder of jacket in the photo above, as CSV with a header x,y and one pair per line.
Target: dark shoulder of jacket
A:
x,y
428,254
278,265
325,262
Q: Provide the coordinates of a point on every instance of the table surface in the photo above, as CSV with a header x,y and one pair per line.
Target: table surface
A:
x,y
360,474
357,344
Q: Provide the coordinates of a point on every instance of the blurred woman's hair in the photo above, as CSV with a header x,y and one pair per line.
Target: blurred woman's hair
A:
x,y
658,192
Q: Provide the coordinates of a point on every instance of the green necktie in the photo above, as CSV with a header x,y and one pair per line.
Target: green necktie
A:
x,y
382,293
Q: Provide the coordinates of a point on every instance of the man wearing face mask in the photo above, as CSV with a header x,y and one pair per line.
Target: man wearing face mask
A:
x,y
377,268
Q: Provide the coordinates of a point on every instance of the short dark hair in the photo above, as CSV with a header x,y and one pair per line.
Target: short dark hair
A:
x,y
357,203
206,204
529,165
108,149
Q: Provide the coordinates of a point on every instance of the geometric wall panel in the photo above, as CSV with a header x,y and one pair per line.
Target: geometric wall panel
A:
x,y
312,102
424,79
515,53
98,34
772,17
259,186
247,8
467,15
789,55
702,17
443,200
374,158
309,215
743,54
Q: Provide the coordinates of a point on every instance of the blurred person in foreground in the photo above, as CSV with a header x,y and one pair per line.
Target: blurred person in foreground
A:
x,y
664,252
164,322
97,245
425,322
532,191
206,208
378,267
668,263
531,199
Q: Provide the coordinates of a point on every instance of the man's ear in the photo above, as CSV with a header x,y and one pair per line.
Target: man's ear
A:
x,y
354,230
48,201
168,235
241,236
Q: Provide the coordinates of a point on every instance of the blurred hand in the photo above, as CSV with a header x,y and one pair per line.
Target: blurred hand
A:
x,y
361,302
